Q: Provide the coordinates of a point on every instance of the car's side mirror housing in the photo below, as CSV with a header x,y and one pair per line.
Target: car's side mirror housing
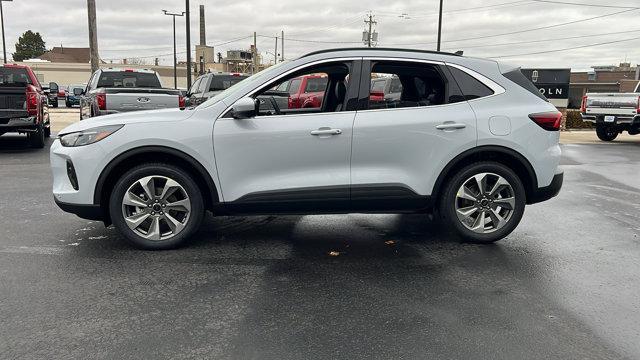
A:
x,y
53,87
245,108
78,92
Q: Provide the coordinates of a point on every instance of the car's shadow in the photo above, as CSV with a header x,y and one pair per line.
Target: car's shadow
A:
x,y
17,144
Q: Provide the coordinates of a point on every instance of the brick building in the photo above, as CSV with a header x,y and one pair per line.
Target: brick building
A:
x,y
622,78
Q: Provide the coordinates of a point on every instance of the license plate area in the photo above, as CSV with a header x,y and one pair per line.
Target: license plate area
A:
x,y
609,119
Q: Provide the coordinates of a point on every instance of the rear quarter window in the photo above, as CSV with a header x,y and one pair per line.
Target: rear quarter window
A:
x,y
518,77
471,87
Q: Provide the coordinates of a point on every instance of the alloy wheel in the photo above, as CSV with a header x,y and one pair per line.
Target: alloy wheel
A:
x,y
485,203
156,208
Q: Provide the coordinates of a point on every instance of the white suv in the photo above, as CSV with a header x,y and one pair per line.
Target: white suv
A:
x,y
469,138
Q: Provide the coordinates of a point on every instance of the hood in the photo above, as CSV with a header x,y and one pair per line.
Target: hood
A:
x,y
150,116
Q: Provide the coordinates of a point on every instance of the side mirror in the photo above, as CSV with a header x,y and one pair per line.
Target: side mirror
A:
x,y
244,108
78,92
53,87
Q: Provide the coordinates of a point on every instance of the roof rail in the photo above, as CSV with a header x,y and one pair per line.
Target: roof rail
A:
x,y
380,49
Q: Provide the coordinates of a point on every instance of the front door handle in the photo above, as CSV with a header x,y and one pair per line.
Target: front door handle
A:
x,y
326,132
449,126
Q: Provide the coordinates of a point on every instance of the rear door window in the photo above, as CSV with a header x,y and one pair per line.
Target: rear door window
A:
x,y
418,85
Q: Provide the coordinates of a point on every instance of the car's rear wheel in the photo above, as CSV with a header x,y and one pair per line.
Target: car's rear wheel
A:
x,y
606,133
156,206
483,202
36,138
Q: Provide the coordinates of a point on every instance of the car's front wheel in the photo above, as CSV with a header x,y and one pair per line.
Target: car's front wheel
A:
x,y
483,202
156,206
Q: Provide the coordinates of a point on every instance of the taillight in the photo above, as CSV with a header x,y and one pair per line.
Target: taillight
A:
x,y
32,100
101,99
181,102
290,103
583,107
638,109
549,121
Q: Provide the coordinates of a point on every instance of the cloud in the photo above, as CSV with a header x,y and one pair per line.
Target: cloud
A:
x,y
136,28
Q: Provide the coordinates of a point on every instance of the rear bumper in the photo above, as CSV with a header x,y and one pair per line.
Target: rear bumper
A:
x,y
620,119
88,212
547,192
18,124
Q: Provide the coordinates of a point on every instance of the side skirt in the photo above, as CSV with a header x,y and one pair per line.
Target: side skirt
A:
x,y
329,200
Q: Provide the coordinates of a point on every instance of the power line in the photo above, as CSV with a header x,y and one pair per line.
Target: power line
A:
x,y
522,31
422,15
565,49
347,21
312,41
587,5
547,40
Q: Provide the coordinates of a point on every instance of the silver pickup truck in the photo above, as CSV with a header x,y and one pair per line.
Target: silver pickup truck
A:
x,y
112,91
612,113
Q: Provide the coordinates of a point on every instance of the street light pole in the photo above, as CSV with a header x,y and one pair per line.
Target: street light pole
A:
x,y
4,43
440,26
175,51
188,12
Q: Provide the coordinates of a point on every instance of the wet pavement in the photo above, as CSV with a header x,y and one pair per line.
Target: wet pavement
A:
x,y
566,284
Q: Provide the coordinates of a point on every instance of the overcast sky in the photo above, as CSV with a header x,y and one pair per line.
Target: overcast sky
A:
x,y
485,28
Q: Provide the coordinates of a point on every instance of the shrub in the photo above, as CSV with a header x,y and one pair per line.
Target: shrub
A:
x,y
574,121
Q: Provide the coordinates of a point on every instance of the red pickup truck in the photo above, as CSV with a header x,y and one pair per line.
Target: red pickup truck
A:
x,y
23,104
305,91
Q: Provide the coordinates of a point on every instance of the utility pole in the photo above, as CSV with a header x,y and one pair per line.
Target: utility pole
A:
x,y
188,12
440,26
369,37
282,58
275,53
93,35
255,52
175,51
4,43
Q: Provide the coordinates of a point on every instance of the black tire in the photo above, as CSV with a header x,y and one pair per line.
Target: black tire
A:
x,y
447,205
36,139
67,104
47,132
606,133
55,104
165,170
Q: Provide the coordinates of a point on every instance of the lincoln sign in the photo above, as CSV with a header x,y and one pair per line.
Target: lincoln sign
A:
x,y
552,83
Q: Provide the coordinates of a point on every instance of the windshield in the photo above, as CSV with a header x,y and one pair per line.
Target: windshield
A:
x,y
128,79
14,77
262,75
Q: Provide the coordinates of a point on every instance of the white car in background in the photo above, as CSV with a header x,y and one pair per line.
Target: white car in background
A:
x,y
470,138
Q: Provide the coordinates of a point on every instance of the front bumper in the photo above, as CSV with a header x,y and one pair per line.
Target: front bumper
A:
x,y
547,192
88,212
87,165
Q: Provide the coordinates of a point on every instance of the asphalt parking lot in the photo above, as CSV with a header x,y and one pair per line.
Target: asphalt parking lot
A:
x,y
565,284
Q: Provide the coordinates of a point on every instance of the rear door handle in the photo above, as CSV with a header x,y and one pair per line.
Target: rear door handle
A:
x,y
326,132
451,126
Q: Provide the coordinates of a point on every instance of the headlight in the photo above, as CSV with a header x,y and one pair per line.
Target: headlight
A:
x,y
89,136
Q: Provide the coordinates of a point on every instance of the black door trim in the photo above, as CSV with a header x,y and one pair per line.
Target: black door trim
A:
x,y
369,198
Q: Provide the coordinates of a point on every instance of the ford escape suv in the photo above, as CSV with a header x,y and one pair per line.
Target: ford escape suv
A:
x,y
469,138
